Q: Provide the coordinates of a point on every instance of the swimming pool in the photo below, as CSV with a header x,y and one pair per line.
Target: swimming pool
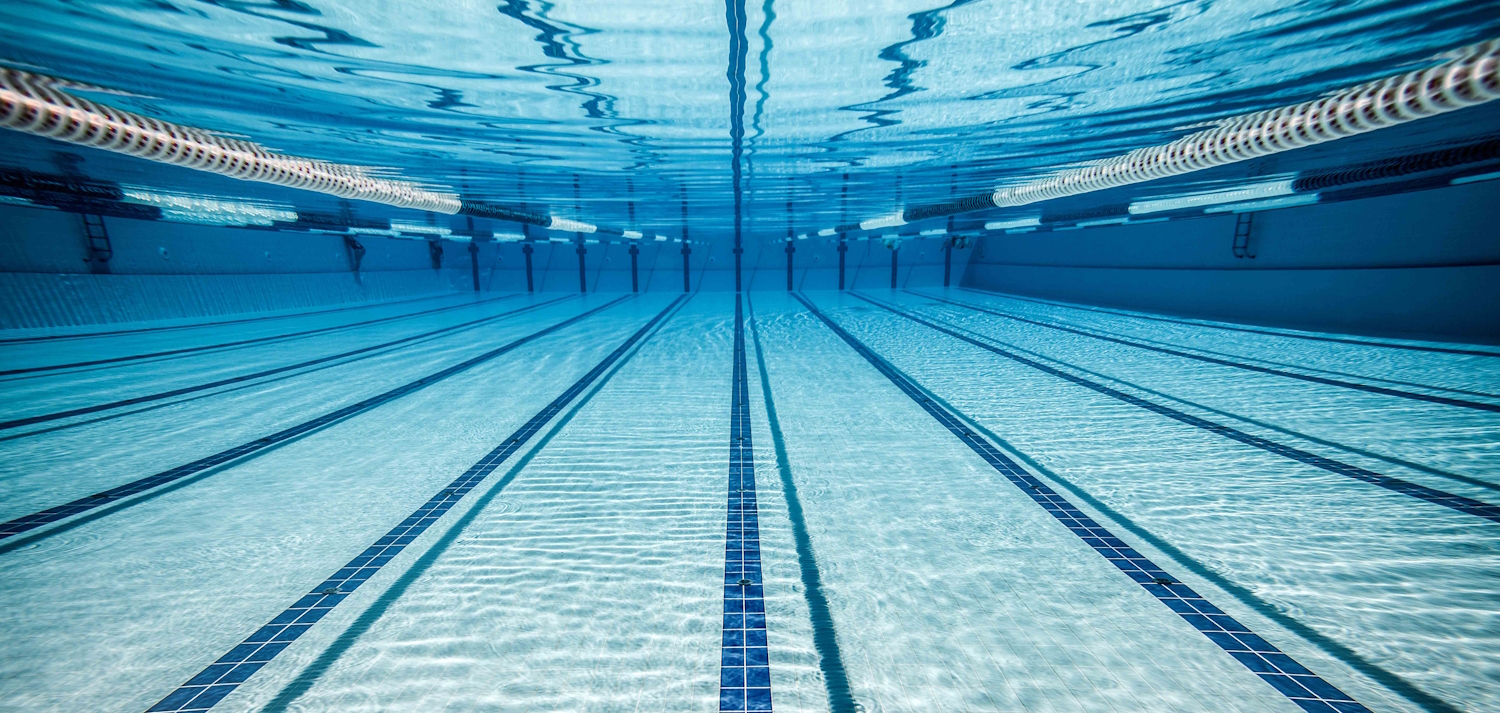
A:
x,y
920,488
791,355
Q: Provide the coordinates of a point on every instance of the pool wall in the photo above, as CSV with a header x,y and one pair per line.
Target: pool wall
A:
x,y
1422,264
163,270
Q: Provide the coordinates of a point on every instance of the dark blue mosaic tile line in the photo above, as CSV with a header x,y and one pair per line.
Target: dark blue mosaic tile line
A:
x,y
825,638
210,686
238,343
197,325
1444,400
1468,506
1248,330
264,373
744,674
113,495
1280,671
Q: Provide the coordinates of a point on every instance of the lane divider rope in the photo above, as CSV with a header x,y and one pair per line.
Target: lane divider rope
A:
x,y
1470,76
41,105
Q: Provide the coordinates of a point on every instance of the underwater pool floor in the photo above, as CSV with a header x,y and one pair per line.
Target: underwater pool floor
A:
x,y
925,500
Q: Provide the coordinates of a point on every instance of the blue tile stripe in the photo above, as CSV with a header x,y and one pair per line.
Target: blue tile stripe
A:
x,y
745,674
1446,401
1468,506
113,495
1248,330
824,634
211,685
96,408
238,343
1288,677
199,325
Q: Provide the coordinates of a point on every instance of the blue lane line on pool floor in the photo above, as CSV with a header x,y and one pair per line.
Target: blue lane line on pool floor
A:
x,y
175,327
1444,400
824,636
1291,679
744,674
313,672
210,686
85,410
244,342
1393,460
1238,328
114,495
1468,506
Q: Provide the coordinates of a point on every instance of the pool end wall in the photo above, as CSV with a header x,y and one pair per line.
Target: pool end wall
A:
x,y
1422,265
163,270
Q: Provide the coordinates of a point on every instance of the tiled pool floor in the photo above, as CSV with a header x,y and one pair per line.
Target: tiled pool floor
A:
x,y
648,504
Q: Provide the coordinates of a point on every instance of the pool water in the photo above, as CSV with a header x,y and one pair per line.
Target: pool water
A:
x,y
873,500
614,111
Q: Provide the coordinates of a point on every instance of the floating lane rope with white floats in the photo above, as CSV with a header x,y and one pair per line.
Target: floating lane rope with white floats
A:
x,y
1470,76
41,105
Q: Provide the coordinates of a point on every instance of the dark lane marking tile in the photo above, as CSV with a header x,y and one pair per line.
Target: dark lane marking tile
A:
x,y
744,674
243,342
1277,669
113,495
1468,506
1430,398
175,327
1250,330
825,636
267,372
210,686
